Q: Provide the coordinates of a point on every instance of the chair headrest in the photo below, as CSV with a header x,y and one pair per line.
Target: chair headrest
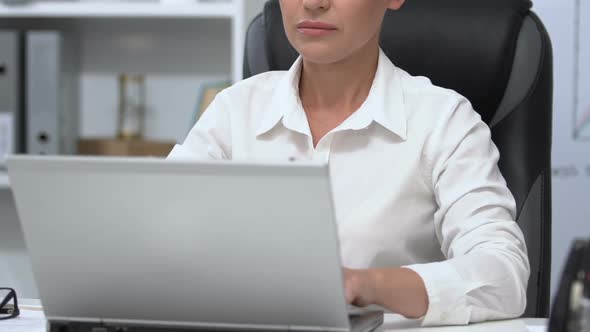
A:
x,y
464,45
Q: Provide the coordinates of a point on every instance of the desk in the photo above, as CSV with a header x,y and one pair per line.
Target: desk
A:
x,y
34,321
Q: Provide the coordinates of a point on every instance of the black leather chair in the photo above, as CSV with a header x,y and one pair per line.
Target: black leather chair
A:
x,y
496,53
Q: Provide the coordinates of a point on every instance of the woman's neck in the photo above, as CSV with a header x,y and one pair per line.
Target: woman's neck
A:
x,y
340,87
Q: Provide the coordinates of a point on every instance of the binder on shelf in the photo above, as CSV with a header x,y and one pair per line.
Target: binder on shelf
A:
x,y
52,75
11,94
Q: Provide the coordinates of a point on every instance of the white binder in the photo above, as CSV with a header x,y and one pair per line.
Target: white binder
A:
x,y
52,69
11,140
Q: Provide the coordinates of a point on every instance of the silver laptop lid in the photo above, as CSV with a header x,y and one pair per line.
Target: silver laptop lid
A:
x,y
179,243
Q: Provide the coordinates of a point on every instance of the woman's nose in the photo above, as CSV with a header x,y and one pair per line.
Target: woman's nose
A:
x,y
316,4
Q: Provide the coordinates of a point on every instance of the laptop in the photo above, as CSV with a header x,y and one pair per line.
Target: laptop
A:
x,y
139,244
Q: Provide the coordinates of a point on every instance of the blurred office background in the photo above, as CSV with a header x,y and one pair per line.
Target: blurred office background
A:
x,y
185,50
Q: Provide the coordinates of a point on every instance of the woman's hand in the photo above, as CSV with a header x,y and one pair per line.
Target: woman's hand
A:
x,y
399,290
360,287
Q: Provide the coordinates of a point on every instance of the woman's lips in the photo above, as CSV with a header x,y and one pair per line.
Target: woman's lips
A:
x,y
315,28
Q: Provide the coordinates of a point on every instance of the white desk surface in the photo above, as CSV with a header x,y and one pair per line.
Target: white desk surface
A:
x,y
34,321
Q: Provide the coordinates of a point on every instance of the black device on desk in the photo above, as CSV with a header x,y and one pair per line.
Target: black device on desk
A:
x,y
571,308
8,304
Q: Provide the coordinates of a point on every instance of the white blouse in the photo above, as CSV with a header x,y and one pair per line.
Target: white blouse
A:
x,y
415,181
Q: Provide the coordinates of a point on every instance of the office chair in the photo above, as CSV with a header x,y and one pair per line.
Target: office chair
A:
x,y
496,53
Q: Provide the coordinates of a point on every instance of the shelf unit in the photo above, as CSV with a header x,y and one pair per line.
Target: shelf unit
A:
x,y
225,22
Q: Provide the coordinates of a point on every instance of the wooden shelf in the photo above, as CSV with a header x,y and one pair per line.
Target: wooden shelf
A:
x,y
74,9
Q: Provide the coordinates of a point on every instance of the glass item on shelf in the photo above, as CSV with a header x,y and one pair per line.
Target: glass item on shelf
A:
x,y
131,106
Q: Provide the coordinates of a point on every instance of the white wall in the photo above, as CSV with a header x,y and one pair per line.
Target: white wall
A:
x,y
571,157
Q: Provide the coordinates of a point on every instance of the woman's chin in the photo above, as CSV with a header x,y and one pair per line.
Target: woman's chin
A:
x,y
320,54
321,58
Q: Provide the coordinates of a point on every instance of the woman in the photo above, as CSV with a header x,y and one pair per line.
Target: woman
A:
x,y
426,222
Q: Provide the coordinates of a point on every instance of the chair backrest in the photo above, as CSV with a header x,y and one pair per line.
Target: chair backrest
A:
x,y
496,53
